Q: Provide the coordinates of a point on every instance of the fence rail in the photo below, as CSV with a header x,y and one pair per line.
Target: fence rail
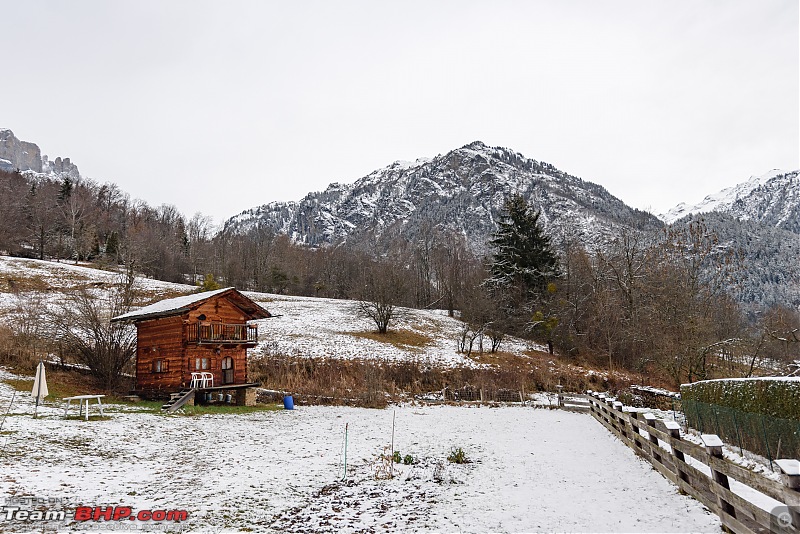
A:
x,y
245,334
476,394
685,464
573,402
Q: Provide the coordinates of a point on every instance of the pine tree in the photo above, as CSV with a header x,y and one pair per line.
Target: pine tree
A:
x,y
523,263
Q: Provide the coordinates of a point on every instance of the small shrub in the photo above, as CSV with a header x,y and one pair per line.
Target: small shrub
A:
x,y
408,459
383,465
208,284
396,457
458,456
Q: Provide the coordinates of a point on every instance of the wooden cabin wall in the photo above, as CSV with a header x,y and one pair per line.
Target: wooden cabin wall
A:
x,y
239,355
160,339
219,310
166,339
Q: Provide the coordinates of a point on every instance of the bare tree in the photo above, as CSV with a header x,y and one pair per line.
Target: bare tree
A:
x,y
83,327
383,290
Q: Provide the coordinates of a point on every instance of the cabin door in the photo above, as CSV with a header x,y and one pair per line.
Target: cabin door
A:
x,y
227,370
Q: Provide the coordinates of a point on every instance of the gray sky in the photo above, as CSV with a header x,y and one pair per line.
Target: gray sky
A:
x,y
222,106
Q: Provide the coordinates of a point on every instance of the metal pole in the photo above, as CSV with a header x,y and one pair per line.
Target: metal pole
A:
x,y
14,394
766,443
391,472
344,477
738,436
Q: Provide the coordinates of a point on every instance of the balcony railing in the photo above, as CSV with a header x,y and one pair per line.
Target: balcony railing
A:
x,y
214,333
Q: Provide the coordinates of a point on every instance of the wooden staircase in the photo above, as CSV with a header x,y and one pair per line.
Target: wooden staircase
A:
x,y
176,400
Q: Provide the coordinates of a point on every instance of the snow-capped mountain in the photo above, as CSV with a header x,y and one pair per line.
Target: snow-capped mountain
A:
x,y
461,192
772,199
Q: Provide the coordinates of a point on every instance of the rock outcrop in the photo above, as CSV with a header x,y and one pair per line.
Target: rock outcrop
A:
x,y
27,157
18,155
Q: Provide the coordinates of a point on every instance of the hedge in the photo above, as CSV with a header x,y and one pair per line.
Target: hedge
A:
x,y
761,415
771,396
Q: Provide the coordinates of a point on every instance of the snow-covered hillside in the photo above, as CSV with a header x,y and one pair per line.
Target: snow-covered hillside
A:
x,y
772,199
328,328
302,326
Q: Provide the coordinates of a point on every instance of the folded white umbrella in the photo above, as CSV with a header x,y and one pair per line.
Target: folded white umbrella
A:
x,y
39,391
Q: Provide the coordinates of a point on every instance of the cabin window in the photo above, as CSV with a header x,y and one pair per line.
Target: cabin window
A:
x,y
160,366
201,363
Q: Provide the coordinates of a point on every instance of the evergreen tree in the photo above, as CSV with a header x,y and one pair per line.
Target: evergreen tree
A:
x,y
523,263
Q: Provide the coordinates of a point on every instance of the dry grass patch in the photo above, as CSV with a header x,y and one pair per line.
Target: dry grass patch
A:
x,y
60,384
398,338
14,283
501,358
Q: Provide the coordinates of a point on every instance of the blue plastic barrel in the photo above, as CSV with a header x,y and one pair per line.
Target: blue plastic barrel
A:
x,y
288,403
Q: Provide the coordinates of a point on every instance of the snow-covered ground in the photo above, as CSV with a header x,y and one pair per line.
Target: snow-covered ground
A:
x,y
280,471
317,327
66,275
302,326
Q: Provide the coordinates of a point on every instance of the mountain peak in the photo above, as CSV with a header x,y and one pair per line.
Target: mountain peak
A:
x,y
476,145
459,193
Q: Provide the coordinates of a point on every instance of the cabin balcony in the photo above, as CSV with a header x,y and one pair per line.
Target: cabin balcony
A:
x,y
222,333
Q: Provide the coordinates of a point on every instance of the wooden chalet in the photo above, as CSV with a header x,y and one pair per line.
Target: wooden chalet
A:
x,y
195,343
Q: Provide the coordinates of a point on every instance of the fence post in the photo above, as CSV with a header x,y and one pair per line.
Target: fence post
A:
x,y
674,430
790,476
618,407
654,447
612,417
713,446
635,417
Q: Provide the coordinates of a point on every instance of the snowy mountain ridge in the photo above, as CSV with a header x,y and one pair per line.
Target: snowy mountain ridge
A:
x,y
772,198
461,192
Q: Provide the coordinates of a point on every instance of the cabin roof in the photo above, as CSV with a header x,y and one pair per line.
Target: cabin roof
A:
x,y
180,305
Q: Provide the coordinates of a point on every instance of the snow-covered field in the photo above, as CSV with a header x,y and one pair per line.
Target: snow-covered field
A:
x,y
302,326
280,471
317,327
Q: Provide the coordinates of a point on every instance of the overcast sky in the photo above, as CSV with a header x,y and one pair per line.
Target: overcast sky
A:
x,y
222,106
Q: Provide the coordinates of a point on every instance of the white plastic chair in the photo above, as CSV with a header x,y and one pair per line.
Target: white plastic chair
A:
x,y
207,380
197,379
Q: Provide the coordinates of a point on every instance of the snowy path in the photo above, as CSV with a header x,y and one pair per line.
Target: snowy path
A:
x,y
533,470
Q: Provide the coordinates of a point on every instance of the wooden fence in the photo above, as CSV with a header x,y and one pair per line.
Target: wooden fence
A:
x,y
703,473
573,402
476,394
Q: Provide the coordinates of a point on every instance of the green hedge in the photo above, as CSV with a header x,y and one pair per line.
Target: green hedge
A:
x,y
761,415
774,397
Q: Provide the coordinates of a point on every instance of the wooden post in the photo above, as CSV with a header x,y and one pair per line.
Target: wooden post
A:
x,y
790,476
481,395
655,448
713,447
674,431
636,433
620,409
